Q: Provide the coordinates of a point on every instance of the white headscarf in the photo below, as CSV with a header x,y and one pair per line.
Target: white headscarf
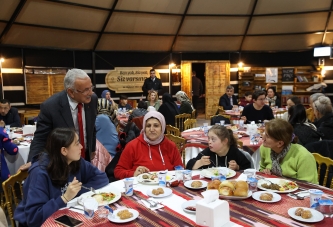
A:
x,y
160,118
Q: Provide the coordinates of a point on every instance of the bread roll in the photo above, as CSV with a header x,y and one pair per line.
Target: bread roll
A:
x,y
242,184
306,214
228,184
224,190
241,192
214,184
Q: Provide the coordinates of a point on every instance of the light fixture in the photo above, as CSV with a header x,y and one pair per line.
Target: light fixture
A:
x,y
240,64
2,59
171,65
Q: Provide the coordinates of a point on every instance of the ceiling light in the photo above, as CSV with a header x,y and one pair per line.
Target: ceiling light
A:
x,y
171,65
2,59
240,64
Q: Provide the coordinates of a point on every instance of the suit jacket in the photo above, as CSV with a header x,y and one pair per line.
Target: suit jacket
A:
x,y
225,102
156,85
55,113
12,118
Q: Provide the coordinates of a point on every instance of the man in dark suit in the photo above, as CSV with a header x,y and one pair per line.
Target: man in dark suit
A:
x,y
152,83
61,110
8,115
228,100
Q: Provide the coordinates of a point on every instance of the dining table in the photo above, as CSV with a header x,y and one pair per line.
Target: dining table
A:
x,y
243,212
197,135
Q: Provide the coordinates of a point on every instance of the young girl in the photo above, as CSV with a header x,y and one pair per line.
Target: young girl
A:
x,y
56,178
222,151
153,100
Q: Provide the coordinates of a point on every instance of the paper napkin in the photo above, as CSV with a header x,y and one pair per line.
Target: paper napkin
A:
x,y
146,204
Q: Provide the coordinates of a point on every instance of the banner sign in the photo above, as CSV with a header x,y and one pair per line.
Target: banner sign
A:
x,y
128,79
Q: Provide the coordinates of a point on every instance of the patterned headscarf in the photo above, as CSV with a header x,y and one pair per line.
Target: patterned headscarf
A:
x,y
276,168
160,118
182,96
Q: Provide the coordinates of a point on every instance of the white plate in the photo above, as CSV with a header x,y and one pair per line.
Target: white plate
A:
x,y
316,215
236,197
275,181
228,111
115,218
167,192
191,203
188,184
89,194
208,173
155,181
276,197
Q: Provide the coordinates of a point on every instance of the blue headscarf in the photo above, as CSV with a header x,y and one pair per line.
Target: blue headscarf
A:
x,y
106,133
103,95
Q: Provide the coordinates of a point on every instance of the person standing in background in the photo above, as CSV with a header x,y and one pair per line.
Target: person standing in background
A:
x,y
8,115
152,83
197,90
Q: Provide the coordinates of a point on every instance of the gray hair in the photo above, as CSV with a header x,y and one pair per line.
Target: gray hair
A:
x,y
230,87
315,96
71,77
323,105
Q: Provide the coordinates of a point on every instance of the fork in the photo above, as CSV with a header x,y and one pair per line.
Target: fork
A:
x,y
151,203
263,178
90,189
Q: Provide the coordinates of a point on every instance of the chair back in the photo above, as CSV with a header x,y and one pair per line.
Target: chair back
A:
x,y
248,156
328,162
179,141
310,115
217,118
179,120
189,145
190,123
11,194
193,114
138,122
172,130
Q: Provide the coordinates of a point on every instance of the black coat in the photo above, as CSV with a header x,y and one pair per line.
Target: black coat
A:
x,y
225,102
325,126
155,85
306,134
12,118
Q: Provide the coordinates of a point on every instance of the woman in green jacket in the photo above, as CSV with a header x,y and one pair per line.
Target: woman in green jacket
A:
x,y
279,156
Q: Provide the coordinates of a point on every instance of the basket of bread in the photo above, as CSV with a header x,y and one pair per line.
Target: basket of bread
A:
x,y
233,190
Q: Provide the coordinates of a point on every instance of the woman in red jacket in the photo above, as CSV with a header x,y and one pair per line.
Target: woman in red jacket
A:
x,y
151,151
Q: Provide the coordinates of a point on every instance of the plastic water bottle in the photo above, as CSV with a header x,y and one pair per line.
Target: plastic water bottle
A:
x,y
205,128
252,131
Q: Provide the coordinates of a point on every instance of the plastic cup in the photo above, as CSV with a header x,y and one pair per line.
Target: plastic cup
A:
x,y
250,172
179,173
187,175
128,186
102,212
7,127
89,206
217,123
222,122
315,196
241,123
205,124
162,179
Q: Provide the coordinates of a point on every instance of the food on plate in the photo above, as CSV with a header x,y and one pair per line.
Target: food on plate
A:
x,y
242,133
145,176
196,184
283,186
103,197
20,139
241,192
266,197
191,208
124,214
289,185
298,211
242,184
158,191
234,128
271,186
214,184
306,214
16,141
150,176
231,188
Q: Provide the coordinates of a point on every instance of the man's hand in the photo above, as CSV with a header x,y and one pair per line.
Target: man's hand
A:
x,y
2,123
24,167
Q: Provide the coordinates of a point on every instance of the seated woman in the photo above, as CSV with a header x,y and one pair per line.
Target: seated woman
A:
x,y
56,178
306,132
185,103
322,109
153,99
106,94
222,151
151,151
291,101
282,158
168,109
272,98
310,112
257,111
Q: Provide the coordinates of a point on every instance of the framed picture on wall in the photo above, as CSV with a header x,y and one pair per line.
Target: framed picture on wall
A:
x,y
287,74
271,75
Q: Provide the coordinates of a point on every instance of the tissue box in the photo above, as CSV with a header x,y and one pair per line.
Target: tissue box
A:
x,y
29,129
213,214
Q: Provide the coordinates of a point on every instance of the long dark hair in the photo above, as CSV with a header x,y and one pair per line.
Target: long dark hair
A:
x,y
297,114
58,169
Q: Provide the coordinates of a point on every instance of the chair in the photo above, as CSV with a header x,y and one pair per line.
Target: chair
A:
x,y
310,115
179,141
240,144
172,130
190,123
248,156
193,114
10,191
183,149
328,162
138,121
217,118
179,120
219,109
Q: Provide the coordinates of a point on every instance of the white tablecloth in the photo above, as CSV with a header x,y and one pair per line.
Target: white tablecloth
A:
x,y
174,201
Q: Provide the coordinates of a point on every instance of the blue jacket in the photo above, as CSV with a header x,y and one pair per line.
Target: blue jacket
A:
x,y
106,133
10,148
41,198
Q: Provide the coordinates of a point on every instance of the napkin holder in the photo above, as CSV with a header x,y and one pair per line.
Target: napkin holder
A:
x,y
211,211
29,129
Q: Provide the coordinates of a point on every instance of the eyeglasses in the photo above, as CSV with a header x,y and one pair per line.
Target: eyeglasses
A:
x,y
85,91
261,99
